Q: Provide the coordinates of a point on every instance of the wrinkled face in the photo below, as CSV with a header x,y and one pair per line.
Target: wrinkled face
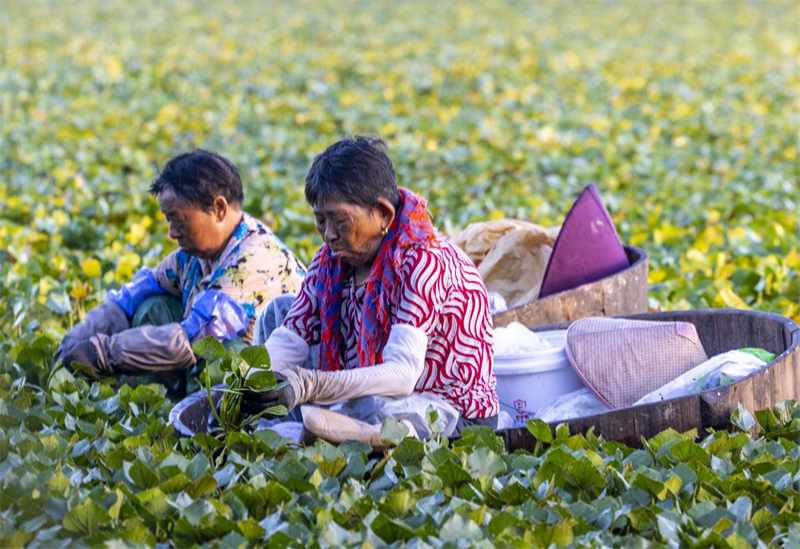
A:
x,y
197,232
352,232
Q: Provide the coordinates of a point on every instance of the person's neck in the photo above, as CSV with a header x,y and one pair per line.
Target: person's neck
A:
x,y
231,222
361,273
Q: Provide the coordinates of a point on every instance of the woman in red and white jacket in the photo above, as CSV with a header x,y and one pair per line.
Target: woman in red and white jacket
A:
x,y
393,306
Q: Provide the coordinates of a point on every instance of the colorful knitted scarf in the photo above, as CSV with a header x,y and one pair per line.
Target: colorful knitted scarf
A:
x,y
411,227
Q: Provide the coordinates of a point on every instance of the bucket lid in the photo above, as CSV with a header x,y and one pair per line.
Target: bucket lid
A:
x,y
539,361
587,248
623,360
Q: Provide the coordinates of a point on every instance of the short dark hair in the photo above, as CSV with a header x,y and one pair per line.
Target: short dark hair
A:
x,y
356,169
199,177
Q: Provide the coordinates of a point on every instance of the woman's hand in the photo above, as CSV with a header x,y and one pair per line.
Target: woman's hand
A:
x,y
253,403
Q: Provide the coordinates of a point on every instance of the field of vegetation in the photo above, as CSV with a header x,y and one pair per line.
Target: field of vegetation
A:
x,y
685,115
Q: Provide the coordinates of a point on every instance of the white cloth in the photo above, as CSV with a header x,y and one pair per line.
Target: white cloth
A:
x,y
403,362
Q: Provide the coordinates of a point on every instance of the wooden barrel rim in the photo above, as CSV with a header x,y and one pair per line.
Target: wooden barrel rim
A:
x,y
710,409
624,292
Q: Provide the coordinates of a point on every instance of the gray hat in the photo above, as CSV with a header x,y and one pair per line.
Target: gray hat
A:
x,y
623,360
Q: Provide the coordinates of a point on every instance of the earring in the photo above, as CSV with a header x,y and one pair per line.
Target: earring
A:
x,y
385,231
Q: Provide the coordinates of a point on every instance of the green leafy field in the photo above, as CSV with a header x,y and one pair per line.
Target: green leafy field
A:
x,y
685,115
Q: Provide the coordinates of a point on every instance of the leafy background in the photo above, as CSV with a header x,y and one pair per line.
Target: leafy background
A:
x,y
686,116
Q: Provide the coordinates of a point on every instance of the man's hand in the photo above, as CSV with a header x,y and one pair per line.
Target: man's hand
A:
x,y
253,403
82,353
67,344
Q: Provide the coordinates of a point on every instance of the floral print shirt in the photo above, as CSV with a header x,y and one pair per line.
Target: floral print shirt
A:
x,y
253,268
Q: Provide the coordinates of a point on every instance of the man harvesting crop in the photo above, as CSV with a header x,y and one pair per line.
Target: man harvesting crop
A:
x,y
227,267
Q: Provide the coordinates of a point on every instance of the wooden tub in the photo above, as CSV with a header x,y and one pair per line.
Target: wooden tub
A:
x,y
720,330
623,293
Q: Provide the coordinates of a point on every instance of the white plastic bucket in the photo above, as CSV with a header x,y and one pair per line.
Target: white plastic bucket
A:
x,y
527,383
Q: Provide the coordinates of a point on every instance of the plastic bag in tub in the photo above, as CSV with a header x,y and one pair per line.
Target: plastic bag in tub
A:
x,y
580,403
717,371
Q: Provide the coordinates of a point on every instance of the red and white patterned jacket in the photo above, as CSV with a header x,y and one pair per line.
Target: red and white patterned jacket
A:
x,y
443,295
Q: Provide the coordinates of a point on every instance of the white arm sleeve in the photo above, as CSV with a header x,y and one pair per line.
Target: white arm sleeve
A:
x,y
286,348
403,362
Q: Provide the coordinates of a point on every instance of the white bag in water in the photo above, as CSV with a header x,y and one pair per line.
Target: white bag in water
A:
x,y
516,339
717,371
580,403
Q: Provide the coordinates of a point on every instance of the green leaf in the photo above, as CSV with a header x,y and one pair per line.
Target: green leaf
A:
x,y
460,529
154,501
742,508
559,534
687,451
766,419
115,509
786,410
484,462
662,438
237,364
584,477
435,423
207,442
85,518
175,484
409,452
393,431
208,348
279,410
59,483
140,475
761,519
261,381
271,439
452,474
333,467
84,369
390,530
504,520
540,430
250,529
256,356
648,484
275,494
398,503
475,436
668,529
742,420
197,467
203,486
515,493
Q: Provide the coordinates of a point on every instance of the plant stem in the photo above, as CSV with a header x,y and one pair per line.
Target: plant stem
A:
x,y
211,400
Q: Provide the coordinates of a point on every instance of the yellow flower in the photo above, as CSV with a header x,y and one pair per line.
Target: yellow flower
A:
x,y
127,264
136,233
91,268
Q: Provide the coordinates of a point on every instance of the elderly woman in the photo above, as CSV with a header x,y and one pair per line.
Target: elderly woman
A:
x,y
227,267
392,304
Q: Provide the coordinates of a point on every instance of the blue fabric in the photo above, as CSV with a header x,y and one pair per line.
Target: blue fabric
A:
x,y
217,314
133,293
